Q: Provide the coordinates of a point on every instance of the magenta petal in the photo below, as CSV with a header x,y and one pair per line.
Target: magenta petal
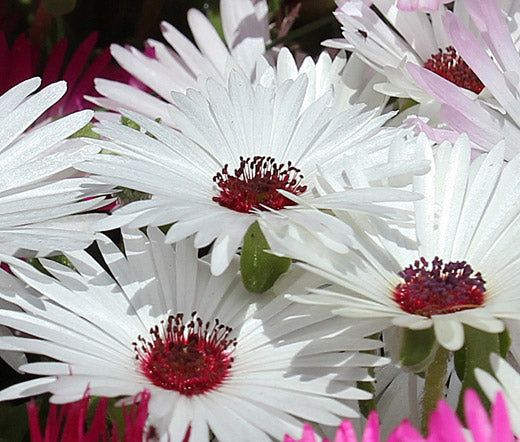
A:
x,y
476,417
308,435
500,420
371,433
444,425
405,433
346,433
54,64
79,59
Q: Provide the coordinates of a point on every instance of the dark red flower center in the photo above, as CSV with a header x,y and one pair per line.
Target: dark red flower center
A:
x,y
189,358
440,288
255,185
450,65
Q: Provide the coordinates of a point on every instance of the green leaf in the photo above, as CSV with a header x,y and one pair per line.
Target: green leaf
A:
x,y
86,132
130,123
417,349
478,346
259,269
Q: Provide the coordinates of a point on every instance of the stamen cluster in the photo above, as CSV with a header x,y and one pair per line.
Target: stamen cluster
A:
x,y
439,289
255,185
450,65
189,358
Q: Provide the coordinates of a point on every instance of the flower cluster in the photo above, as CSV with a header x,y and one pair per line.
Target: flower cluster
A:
x,y
247,240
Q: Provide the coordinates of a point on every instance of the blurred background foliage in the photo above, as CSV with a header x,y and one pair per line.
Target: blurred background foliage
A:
x,y
132,22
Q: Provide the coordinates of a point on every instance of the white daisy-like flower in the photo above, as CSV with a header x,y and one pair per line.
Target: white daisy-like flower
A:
x,y
388,39
39,195
494,55
456,266
212,361
235,150
245,24
352,80
506,380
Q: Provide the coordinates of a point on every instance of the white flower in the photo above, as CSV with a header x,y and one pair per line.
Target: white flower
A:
x,y
245,25
456,266
506,380
352,80
494,56
237,148
211,359
39,196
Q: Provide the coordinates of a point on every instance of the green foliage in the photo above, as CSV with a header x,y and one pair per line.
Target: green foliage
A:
x,y
260,269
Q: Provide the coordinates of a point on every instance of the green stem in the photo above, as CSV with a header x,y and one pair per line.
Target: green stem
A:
x,y
302,31
434,385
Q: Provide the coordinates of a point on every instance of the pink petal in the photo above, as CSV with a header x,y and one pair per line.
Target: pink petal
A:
x,y
54,64
476,417
405,433
371,433
444,425
308,435
346,433
501,425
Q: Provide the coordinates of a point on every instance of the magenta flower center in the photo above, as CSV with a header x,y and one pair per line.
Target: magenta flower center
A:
x,y
440,288
450,65
189,358
255,185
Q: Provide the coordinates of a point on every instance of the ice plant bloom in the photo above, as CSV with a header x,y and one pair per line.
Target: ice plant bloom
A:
x,y
455,267
40,194
68,422
239,151
444,425
386,39
216,359
495,60
245,24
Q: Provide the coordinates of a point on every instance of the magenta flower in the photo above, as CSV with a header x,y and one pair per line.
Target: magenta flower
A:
x,y
20,61
444,425
67,423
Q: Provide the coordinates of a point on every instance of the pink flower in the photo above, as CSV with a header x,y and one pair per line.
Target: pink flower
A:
x,y
444,425
67,422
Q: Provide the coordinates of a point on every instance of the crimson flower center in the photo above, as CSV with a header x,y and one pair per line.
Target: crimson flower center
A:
x,y
255,185
440,288
190,358
450,65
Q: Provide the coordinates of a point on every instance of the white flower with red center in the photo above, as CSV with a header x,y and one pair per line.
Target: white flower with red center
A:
x,y
234,153
385,37
494,57
214,358
455,267
245,24
41,195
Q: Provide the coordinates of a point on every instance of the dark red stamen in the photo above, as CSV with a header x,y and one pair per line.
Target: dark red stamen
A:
x,y
189,358
441,289
255,185
450,65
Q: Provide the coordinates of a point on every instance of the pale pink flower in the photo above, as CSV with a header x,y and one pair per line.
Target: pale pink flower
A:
x,y
420,5
495,60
